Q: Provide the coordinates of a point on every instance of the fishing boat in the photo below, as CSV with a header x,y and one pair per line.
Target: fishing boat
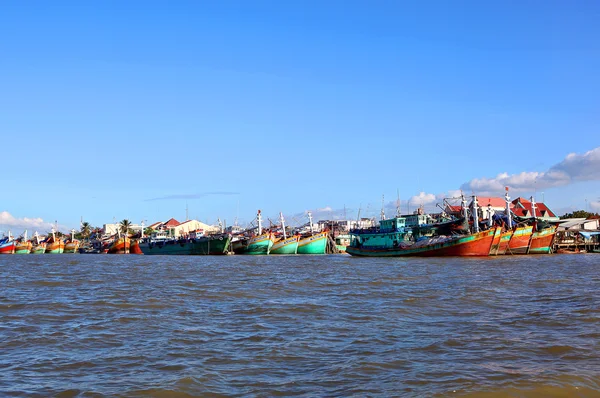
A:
x,y
72,244
54,245
505,237
23,245
39,246
519,241
315,243
7,244
542,238
341,242
120,245
395,237
159,243
256,242
495,241
506,230
285,244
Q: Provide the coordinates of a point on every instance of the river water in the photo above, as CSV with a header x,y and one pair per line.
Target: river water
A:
x,y
117,325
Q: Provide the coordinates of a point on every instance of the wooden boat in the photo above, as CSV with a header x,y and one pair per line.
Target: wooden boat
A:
x,y
7,244
476,244
39,246
284,244
542,241
404,236
257,241
160,244
72,244
519,241
23,245
314,243
496,241
54,245
503,245
120,245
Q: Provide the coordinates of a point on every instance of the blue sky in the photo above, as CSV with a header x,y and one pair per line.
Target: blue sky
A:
x,y
229,107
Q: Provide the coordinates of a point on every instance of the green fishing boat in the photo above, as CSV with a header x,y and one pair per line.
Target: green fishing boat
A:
x,y
314,244
285,246
205,245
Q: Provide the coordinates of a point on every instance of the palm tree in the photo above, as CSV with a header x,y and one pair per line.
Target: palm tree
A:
x,y
86,229
125,224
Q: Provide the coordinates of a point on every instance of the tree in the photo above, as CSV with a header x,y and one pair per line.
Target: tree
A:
x,y
579,214
148,231
125,225
86,229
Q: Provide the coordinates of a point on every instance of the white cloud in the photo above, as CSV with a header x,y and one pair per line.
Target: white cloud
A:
x,y
575,167
9,222
326,208
595,206
423,199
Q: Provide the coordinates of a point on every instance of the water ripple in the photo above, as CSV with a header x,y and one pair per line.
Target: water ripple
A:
x,y
132,326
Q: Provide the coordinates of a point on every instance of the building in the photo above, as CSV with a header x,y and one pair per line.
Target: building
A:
x,y
522,208
112,229
176,229
578,234
488,206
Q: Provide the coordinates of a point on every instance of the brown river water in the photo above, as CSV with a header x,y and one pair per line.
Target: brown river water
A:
x,y
134,326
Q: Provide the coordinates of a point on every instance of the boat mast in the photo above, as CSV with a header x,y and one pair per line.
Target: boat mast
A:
x,y
37,238
142,234
310,222
53,235
463,206
382,207
508,213
73,235
489,210
475,215
25,236
221,225
259,220
533,207
282,225
398,205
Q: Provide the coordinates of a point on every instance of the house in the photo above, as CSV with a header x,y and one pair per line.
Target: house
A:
x,y
522,208
186,227
488,206
577,233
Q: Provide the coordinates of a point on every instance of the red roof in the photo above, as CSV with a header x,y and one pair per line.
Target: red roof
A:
x,y
454,209
172,223
494,202
523,209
